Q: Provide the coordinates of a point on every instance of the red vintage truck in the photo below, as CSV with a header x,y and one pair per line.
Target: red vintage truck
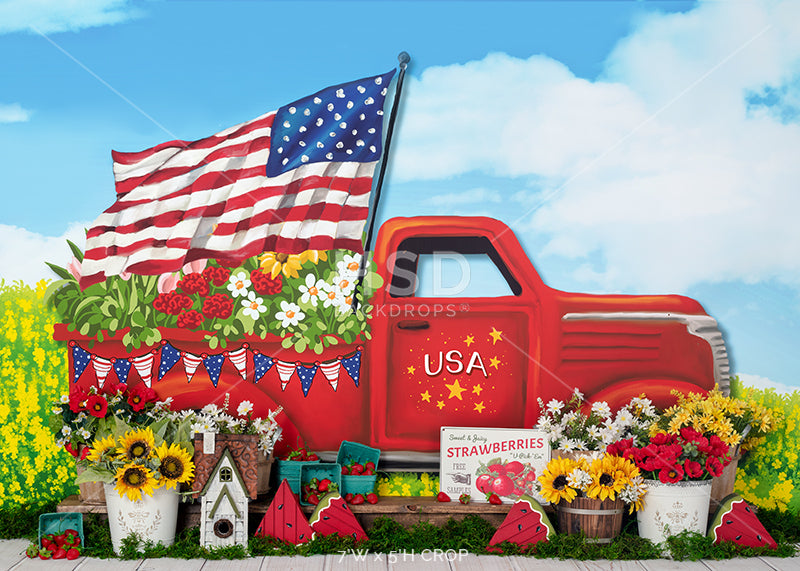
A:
x,y
450,358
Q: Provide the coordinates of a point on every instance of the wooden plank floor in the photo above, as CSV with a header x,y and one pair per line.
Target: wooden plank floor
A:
x,y
12,557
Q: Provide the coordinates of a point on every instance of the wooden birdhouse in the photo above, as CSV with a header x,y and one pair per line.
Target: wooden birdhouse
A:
x,y
223,505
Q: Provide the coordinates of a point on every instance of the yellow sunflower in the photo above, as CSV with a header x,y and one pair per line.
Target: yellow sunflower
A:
x,y
137,444
101,447
277,263
554,480
609,477
314,256
133,480
176,465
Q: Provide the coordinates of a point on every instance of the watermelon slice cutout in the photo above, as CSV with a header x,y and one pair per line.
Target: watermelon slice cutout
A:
x,y
736,521
525,525
333,515
284,519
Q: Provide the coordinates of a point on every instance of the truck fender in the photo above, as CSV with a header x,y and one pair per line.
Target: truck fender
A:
x,y
658,390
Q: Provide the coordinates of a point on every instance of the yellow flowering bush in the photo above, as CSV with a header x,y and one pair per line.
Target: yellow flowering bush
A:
x,y
769,474
33,373
734,420
408,484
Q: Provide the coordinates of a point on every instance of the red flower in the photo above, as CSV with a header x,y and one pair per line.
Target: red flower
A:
x,y
190,319
97,406
693,469
218,305
172,303
619,447
77,398
217,276
703,445
718,447
661,439
194,283
714,466
265,285
140,395
671,475
112,388
690,434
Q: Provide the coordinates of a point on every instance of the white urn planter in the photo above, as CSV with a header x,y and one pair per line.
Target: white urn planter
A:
x,y
672,508
153,518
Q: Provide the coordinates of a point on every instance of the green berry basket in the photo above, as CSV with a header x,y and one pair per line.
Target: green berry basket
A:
x,y
290,470
58,523
355,452
319,471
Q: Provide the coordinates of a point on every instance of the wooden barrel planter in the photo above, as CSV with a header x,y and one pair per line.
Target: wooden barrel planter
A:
x,y
600,521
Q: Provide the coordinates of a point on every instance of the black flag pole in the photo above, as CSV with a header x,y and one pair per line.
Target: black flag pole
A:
x,y
403,58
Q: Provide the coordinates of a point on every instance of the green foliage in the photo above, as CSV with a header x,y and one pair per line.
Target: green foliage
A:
x,y
22,521
768,476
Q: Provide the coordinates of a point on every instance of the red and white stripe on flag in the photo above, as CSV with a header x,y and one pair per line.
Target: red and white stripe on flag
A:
x,y
211,199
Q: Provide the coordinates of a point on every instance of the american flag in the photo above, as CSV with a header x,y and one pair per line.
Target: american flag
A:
x,y
294,179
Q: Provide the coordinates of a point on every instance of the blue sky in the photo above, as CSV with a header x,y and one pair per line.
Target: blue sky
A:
x,y
633,146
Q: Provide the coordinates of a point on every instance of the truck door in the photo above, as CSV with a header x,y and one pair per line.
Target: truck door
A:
x,y
458,341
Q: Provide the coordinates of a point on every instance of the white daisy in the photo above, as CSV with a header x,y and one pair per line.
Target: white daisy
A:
x,y
238,284
289,314
253,306
245,407
312,290
602,409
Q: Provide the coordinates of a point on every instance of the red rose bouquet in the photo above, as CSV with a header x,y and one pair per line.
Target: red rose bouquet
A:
x,y
670,458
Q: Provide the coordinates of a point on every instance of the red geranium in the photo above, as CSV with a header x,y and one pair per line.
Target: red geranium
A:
x,y
714,466
218,305
671,474
264,284
190,319
97,406
172,303
140,395
693,469
194,283
217,276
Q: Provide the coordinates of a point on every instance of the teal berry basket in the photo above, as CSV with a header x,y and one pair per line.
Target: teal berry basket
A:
x,y
320,471
58,523
290,471
355,452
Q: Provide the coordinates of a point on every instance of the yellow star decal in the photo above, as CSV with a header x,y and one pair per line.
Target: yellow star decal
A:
x,y
411,369
426,396
495,335
469,340
476,390
493,362
479,407
440,404
455,390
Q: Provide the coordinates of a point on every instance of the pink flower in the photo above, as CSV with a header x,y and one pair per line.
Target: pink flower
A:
x,y
168,282
74,267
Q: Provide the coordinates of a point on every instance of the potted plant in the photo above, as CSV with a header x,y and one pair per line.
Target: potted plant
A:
x,y
81,414
677,471
576,428
250,439
142,469
589,495
741,424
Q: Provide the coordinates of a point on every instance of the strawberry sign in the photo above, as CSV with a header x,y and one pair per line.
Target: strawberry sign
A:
x,y
492,463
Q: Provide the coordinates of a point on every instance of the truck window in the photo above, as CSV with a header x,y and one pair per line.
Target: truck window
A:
x,y
452,266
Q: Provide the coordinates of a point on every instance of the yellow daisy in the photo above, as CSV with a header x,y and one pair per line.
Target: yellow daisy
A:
x,y
554,480
277,263
101,447
176,465
133,480
137,444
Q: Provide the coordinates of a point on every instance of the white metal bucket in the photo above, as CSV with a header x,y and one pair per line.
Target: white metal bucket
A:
x,y
671,508
152,518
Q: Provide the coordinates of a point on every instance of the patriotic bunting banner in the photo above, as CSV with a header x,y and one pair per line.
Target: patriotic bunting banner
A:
x,y
246,361
101,368
122,368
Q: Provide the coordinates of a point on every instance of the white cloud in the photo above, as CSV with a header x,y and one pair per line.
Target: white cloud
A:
x,y
23,253
660,169
50,16
473,196
13,113
758,382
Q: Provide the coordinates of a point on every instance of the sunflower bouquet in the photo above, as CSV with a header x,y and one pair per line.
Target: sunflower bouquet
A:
x,y
570,426
736,422
83,413
605,478
139,459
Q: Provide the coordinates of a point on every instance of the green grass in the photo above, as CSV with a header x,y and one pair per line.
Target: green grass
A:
x,y
471,534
